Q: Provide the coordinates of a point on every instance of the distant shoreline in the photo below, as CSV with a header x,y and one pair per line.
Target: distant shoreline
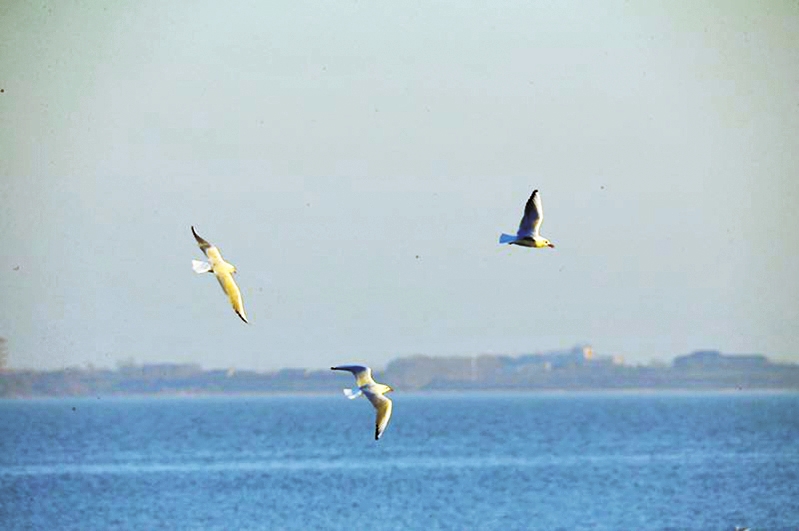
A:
x,y
439,393
573,371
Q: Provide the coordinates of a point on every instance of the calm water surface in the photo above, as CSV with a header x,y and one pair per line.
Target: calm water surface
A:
x,y
527,461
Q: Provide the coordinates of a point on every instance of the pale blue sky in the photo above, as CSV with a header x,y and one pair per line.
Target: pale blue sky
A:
x,y
324,145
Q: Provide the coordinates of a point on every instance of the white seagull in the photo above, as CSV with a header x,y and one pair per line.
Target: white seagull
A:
x,y
527,235
223,271
373,391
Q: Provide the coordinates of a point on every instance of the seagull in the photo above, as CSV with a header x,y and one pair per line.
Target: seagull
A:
x,y
373,391
527,235
223,271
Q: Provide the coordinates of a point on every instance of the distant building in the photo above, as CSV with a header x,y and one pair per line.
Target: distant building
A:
x,y
161,370
715,360
579,356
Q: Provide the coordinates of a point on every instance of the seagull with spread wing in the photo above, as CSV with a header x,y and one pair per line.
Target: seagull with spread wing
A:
x,y
223,271
528,235
373,391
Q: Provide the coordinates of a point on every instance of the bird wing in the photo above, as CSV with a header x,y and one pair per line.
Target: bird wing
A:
x,y
363,375
204,245
383,406
211,251
533,217
233,293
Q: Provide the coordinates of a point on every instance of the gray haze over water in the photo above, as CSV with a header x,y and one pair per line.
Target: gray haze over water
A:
x,y
358,162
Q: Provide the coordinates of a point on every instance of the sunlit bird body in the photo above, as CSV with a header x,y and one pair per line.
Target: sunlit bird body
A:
x,y
223,272
528,234
372,390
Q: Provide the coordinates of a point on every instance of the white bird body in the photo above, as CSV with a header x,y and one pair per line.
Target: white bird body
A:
x,y
373,391
528,234
222,270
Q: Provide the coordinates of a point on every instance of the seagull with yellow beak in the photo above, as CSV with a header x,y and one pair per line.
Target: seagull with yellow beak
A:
x,y
372,390
223,271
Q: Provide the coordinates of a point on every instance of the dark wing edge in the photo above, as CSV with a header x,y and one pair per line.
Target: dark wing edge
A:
x,y
530,217
201,242
362,374
384,407
354,369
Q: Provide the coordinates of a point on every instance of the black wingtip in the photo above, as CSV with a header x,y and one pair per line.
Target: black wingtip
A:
x,y
200,241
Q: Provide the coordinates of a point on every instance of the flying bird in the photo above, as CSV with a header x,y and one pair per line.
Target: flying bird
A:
x,y
528,235
223,271
373,391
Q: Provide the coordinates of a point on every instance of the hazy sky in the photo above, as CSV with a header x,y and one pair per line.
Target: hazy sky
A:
x,y
322,146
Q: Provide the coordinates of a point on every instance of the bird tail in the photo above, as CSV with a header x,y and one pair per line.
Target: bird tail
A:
x,y
506,238
200,267
352,393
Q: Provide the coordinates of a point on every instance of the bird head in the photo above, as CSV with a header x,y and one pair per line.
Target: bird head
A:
x,y
388,389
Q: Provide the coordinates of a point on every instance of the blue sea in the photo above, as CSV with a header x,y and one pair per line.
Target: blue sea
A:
x,y
476,461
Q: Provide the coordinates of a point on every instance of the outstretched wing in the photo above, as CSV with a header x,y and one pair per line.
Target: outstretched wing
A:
x,y
383,406
363,375
533,217
204,245
233,293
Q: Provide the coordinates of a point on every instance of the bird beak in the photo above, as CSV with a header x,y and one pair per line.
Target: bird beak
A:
x,y
551,245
